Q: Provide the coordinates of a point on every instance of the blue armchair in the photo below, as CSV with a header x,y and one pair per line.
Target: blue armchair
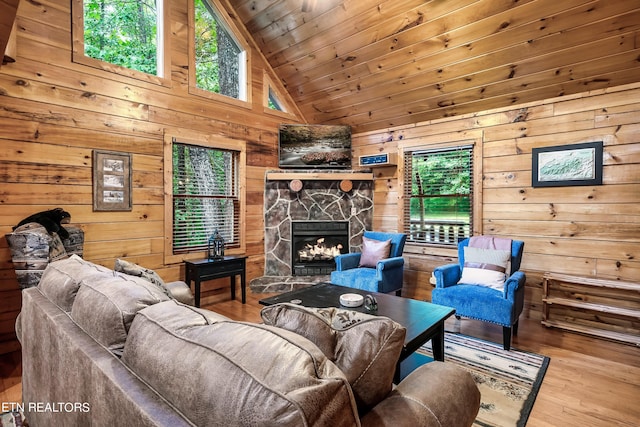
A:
x,y
481,302
385,277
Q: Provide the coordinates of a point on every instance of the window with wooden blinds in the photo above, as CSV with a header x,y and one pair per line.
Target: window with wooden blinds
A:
x,y
205,196
438,198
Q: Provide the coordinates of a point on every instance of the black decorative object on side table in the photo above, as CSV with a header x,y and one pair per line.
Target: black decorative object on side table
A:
x,y
198,271
215,248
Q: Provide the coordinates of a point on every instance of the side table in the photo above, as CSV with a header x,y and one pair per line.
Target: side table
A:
x,y
198,271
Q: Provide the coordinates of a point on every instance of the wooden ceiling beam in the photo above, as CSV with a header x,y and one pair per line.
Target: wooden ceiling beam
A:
x,y
8,10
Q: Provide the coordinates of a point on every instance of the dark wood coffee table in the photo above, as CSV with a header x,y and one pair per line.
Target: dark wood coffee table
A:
x,y
424,321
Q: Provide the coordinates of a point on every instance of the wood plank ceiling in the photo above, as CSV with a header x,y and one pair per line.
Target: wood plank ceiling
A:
x,y
375,64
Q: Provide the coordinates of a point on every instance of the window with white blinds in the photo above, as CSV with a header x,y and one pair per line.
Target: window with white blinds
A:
x,y
205,196
438,198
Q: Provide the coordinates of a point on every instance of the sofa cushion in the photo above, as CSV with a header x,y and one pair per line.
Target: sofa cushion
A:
x,y
365,279
61,279
260,375
374,251
105,306
365,347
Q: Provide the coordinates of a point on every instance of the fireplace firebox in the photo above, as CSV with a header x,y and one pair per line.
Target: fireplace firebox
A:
x,y
315,244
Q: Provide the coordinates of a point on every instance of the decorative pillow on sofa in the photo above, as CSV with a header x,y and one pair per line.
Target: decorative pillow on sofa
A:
x,y
485,267
374,251
132,269
365,347
177,290
106,305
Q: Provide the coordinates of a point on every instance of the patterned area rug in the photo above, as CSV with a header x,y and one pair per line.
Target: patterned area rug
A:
x,y
508,380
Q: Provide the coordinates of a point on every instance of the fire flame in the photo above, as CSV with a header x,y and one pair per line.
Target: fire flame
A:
x,y
319,251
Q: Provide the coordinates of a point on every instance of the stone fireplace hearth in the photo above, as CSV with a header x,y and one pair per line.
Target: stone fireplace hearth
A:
x,y
320,199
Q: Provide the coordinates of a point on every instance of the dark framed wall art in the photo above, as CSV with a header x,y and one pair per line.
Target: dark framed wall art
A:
x,y
567,165
111,181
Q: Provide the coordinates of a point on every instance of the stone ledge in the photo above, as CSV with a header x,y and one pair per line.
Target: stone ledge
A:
x,y
281,284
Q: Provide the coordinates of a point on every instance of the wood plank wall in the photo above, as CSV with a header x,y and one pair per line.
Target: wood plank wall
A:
x,y
54,112
589,231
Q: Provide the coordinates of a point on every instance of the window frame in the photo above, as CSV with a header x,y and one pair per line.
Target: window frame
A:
x,y
476,183
214,142
163,77
269,87
245,62
273,98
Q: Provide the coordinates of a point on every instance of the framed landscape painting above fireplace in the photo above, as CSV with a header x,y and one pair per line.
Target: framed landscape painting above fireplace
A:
x,y
314,146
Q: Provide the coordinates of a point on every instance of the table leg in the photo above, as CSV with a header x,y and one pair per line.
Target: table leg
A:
x,y
243,287
196,287
196,291
437,343
233,287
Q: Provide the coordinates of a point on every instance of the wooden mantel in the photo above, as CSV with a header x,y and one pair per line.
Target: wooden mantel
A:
x,y
320,176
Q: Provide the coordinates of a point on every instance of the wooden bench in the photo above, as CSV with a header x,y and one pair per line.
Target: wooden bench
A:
x,y
605,308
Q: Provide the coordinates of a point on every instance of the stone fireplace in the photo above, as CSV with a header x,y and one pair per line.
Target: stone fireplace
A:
x,y
323,197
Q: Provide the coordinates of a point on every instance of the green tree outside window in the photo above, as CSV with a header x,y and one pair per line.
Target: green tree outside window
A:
x,y
205,196
439,195
217,55
122,32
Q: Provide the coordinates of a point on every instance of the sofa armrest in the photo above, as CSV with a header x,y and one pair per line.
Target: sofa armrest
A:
x,y
347,261
435,394
447,275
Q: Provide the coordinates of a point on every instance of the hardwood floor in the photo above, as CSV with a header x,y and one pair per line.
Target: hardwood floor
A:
x,y
589,383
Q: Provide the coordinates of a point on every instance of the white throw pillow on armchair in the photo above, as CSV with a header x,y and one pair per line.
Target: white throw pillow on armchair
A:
x,y
485,267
